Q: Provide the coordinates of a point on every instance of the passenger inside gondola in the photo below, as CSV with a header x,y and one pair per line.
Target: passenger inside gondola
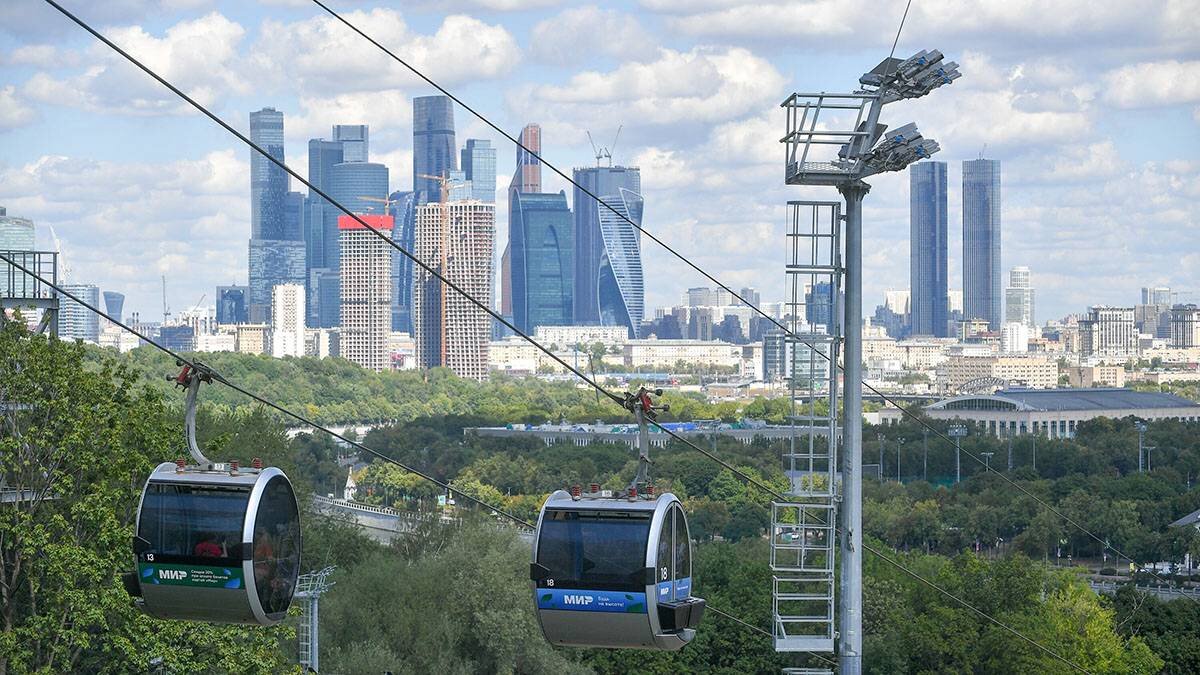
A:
x,y
208,547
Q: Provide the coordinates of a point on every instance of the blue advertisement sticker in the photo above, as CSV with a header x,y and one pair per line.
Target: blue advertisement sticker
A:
x,y
664,591
683,588
591,600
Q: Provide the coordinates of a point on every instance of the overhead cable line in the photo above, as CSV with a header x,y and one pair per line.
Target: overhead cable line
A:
x,y
615,398
752,627
778,324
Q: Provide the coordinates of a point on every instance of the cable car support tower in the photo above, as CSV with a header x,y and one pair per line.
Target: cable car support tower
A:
x,y
833,140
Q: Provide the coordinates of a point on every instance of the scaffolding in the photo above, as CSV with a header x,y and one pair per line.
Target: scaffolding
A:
x,y
309,588
803,534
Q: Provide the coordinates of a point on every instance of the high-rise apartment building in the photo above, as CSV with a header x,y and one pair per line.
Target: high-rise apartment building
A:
x,y
1185,326
543,251
434,147
366,291
233,305
354,141
402,207
479,167
457,239
1019,298
287,320
981,241
76,322
609,285
1108,331
114,304
928,249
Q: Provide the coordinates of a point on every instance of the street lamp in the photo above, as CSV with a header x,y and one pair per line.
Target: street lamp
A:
x,y
957,432
1141,429
899,445
987,460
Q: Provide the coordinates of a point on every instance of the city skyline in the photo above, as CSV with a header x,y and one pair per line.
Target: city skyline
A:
x,y
185,178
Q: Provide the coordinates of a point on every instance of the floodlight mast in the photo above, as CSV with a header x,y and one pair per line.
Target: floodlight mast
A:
x,y
861,154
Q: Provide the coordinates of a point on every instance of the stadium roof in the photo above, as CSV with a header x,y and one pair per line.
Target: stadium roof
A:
x,y
1070,399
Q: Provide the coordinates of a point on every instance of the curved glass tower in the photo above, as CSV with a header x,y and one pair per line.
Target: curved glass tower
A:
x,y
621,291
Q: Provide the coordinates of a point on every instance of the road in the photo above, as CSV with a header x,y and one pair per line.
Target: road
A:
x,y
383,524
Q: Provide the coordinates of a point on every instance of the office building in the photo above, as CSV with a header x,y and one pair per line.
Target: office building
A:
x,y
178,338
76,322
981,241
928,249
349,183
609,285
325,298
434,147
402,207
479,167
354,141
272,223
1108,331
274,262
506,304
543,248
1185,326
450,330
319,240
287,320
528,176
366,291
233,305
16,234
1018,298
1160,295
750,295
114,304
818,304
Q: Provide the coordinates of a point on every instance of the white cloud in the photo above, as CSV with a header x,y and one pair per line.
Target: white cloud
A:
x,y
580,33
42,56
198,56
323,55
122,224
704,85
1152,84
13,111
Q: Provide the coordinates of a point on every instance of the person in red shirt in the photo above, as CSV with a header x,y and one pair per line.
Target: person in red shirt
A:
x,y
208,547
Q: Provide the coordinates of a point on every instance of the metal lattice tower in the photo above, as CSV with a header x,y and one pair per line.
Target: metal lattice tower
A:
x,y
803,535
309,588
835,140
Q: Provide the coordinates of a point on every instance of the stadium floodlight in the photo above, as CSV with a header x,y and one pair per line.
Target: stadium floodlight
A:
x,y
897,79
897,150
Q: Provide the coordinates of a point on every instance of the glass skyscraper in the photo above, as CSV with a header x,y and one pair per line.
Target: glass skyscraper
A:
x,y
479,165
322,156
232,304
402,209
16,234
981,241
76,322
114,304
354,139
434,147
542,250
927,271
608,261
276,261
349,182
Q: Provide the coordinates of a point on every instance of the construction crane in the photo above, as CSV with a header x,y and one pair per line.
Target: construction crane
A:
x,y
387,203
444,183
602,152
166,310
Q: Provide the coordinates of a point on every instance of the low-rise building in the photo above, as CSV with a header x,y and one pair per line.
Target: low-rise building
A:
x,y
224,340
253,338
565,337
666,353
1035,372
1053,412
1103,375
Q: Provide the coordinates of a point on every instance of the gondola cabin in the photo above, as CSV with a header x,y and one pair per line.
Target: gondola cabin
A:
x,y
219,544
614,572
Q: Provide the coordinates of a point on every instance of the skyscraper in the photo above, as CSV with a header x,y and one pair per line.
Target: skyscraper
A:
x,y
354,141
1018,298
16,234
402,209
76,322
609,286
268,182
366,291
818,304
1160,295
457,239
927,248
479,165
981,241
114,304
232,304
276,249
528,176
349,182
434,147
287,320
322,156
543,250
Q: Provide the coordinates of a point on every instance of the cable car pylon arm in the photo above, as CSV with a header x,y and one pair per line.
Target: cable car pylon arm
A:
x,y
191,377
644,411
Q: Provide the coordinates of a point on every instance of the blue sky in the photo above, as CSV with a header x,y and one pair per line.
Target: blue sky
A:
x,y
1093,108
